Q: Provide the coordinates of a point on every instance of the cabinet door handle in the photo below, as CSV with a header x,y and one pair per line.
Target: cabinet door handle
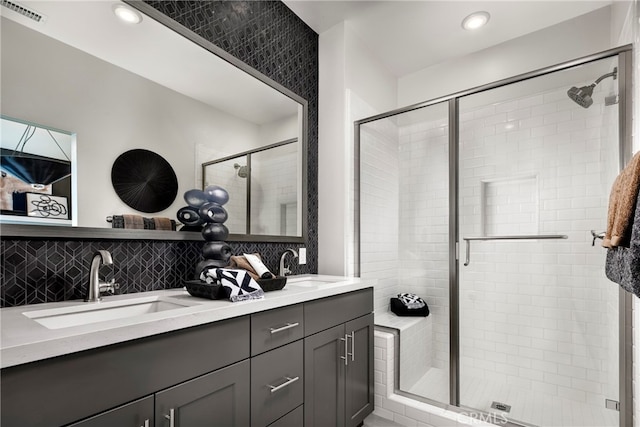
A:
x,y
171,417
352,335
346,353
284,328
146,423
283,385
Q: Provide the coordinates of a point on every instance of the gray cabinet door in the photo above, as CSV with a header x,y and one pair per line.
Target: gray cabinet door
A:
x,y
220,398
359,381
134,414
324,378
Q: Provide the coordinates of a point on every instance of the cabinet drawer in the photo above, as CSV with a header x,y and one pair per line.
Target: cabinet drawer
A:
x,y
276,383
134,414
294,418
328,312
274,328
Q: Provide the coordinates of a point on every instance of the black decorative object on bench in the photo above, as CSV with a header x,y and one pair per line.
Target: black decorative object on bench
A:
x,y
409,305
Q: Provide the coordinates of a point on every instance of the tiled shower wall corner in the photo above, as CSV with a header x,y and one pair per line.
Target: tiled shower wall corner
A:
x,y
270,38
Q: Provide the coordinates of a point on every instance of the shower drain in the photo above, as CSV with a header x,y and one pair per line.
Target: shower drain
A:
x,y
501,406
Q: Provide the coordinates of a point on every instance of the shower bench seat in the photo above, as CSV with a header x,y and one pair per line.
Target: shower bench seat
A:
x,y
416,347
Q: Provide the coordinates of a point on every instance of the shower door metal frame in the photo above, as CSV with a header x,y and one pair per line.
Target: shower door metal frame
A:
x,y
625,112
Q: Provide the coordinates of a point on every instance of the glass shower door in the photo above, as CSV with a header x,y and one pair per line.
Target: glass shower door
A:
x,y
404,238
538,318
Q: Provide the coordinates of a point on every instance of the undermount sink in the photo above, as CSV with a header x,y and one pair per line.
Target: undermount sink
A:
x,y
58,318
310,281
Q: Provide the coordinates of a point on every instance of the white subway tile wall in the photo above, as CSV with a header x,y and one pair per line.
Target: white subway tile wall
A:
x,y
274,189
379,210
424,221
539,315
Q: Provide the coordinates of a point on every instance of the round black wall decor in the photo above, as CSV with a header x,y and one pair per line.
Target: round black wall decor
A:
x,y
144,180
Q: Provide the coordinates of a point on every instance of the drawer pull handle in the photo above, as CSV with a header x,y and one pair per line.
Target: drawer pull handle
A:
x,y
171,417
284,328
284,384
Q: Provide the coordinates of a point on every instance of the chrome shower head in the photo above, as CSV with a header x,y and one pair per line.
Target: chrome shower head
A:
x,y
582,96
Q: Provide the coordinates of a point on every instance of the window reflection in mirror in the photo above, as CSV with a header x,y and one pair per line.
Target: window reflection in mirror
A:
x,y
162,92
37,182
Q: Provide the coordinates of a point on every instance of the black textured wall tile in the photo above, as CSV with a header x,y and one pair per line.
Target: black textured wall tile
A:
x,y
265,35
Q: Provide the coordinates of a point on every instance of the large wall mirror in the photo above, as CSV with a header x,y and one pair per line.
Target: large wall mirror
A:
x,y
153,86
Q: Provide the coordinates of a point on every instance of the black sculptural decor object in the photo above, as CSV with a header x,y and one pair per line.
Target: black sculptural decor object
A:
x,y
204,213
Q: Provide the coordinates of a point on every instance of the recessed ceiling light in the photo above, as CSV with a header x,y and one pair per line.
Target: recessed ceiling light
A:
x,y
475,20
126,14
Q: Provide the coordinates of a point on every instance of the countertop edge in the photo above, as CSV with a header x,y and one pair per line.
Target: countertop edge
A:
x,y
83,338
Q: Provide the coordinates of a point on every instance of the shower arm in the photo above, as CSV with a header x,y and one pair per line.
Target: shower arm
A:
x,y
613,74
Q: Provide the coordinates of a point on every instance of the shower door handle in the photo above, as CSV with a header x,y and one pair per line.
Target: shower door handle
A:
x,y
467,252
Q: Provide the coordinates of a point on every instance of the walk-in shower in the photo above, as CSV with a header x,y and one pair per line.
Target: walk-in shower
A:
x,y
483,203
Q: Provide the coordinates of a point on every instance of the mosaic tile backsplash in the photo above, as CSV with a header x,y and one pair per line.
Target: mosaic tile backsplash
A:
x,y
270,38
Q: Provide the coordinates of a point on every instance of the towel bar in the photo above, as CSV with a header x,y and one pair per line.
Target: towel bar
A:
x,y
514,237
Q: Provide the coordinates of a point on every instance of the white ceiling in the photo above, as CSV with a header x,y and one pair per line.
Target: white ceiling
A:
x,y
408,36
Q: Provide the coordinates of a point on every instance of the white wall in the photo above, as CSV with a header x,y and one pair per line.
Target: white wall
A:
x,y
348,72
112,111
578,37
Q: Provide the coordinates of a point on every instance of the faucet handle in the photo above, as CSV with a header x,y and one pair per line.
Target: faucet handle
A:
x,y
109,286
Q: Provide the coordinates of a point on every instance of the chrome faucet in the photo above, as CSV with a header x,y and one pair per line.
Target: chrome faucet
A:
x,y
283,269
96,286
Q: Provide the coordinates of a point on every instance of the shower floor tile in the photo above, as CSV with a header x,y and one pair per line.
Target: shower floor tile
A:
x,y
526,406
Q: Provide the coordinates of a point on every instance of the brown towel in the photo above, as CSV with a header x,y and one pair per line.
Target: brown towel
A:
x,y
239,261
163,223
622,202
133,221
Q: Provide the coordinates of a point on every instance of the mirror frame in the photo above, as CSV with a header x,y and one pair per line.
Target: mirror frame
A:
x,y
8,230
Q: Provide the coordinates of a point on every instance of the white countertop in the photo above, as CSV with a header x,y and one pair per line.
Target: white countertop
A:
x,y
24,340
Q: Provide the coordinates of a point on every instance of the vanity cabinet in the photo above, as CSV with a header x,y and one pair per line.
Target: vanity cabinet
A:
x,y
306,364
65,389
339,386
